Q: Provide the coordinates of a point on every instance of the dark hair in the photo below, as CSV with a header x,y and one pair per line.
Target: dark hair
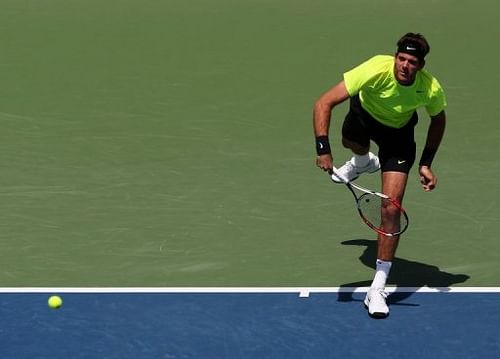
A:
x,y
414,44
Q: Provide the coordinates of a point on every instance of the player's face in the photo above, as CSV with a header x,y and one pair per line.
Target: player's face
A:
x,y
406,67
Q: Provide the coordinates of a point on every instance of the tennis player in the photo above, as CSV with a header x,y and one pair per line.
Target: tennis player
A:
x,y
385,92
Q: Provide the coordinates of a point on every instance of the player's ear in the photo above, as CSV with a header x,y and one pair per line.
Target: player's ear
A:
x,y
422,63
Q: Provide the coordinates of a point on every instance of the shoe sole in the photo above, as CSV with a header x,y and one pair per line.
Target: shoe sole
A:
x,y
355,178
376,315
340,182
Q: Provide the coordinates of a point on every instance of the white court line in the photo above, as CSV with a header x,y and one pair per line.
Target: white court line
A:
x,y
303,292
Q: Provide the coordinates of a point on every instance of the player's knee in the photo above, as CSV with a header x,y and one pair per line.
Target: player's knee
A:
x,y
389,210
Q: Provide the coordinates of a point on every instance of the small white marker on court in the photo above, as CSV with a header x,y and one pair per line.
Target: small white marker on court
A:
x,y
304,293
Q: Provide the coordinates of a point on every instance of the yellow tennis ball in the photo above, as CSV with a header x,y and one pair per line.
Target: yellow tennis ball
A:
x,y
55,302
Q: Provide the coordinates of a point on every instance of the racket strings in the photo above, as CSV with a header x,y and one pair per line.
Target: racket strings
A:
x,y
381,214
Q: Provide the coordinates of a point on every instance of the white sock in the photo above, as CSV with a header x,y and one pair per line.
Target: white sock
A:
x,y
381,274
361,160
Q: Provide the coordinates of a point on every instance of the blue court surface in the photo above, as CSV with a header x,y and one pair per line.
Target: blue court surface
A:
x,y
248,325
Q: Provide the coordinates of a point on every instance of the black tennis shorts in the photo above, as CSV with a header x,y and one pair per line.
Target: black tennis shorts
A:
x,y
396,146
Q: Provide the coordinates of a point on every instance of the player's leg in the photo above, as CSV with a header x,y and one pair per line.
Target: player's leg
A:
x,y
393,184
397,155
356,137
356,148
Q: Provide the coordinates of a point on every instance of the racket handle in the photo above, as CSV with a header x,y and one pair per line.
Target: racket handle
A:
x,y
333,173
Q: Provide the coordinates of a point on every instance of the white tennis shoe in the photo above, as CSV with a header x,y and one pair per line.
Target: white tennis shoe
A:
x,y
375,303
349,171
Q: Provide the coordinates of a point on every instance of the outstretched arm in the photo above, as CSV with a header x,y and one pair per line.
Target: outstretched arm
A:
x,y
434,136
321,122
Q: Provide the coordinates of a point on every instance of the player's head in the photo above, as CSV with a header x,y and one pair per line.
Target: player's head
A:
x,y
415,45
410,57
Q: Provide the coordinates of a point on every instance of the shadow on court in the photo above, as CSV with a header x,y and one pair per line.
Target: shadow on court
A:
x,y
404,273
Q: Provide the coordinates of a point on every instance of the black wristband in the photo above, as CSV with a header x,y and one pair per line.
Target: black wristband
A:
x,y
322,145
427,156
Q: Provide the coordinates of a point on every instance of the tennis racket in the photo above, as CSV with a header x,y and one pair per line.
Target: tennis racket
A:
x,y
371,205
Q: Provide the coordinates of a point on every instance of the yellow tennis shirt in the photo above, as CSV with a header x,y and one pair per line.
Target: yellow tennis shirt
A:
x,y
385,99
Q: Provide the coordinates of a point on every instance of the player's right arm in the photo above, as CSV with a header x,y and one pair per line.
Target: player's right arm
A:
x,y
321,122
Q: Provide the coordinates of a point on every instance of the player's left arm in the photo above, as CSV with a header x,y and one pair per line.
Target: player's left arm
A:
x,y
434,136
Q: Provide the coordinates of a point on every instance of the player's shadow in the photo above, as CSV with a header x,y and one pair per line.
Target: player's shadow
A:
x,y
404,273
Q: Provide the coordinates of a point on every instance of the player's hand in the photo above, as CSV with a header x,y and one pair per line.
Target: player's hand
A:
x,y
427,178
325,162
